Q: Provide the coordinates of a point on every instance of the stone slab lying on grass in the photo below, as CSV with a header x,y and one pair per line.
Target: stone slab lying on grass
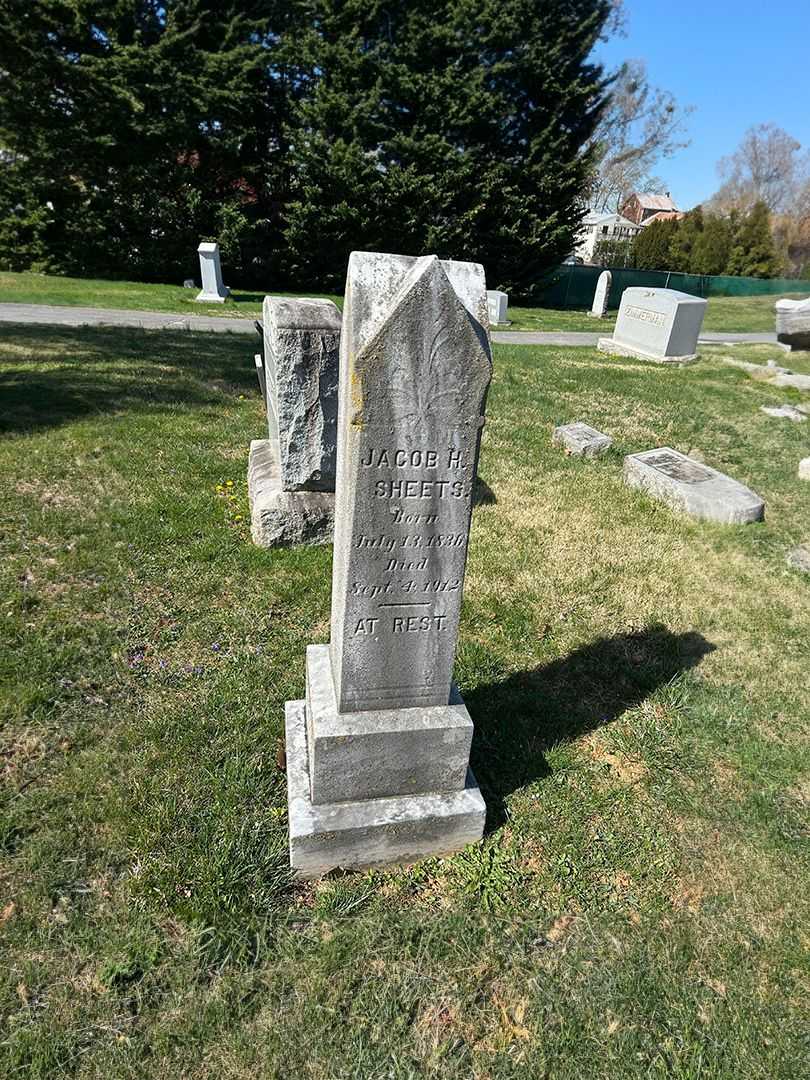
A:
x,y
370,832
797,382
280,518
785,412
696,489
799,558
757,371
804,469
581,440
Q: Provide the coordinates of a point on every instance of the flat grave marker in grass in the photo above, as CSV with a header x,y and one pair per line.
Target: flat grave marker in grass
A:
x,y
690,486
661,325
581,440
378,754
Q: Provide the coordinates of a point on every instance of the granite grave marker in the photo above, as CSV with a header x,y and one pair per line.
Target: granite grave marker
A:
x,y
497,306
378,753
581,440
291,474
695,488
661,325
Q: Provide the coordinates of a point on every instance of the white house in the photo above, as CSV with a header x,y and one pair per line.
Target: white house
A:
x,y
596,227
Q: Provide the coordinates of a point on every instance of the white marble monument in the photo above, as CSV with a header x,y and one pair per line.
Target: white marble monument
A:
x,y
600,296
497,306
378,752
661,325
213,291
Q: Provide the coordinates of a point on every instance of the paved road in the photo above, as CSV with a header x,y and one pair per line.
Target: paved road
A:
x,y
158,320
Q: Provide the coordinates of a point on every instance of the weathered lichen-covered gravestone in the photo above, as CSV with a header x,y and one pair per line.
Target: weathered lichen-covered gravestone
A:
x,y
581,440
600,296
291,474
213,291
377,754
661,325
793,323
497,306
690,486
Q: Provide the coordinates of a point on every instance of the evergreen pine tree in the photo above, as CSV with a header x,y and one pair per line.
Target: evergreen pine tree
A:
x,y
147,126
712,248
651,246
753,253
451,126
684,240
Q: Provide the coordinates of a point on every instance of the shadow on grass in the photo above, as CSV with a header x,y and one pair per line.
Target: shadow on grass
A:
x,y
518,719
51,375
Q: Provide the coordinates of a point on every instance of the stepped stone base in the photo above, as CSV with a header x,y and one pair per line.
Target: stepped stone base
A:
x,y
281,518
370,832
618,348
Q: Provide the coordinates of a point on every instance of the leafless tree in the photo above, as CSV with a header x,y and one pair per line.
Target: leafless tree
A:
x,y
641,126
768,167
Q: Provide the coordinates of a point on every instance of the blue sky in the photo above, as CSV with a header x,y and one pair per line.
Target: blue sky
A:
x,y
739,64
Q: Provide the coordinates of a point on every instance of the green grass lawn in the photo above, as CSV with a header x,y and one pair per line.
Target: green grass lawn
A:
x,y
638,683
732,314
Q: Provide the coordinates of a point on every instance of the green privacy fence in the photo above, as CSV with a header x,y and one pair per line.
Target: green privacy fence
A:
x,y
573,286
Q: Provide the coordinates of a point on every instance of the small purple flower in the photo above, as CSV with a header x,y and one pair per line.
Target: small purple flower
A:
x,y
198,669
216,646
163,663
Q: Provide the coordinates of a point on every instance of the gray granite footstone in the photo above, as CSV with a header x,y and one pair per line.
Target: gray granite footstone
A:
x,y
797,382
696,489
381,752
581,440
370,832
280,518
301,351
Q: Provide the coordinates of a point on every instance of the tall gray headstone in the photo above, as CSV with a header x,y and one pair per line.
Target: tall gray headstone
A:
x,y
213,290
378,753
291,474
661,325
600,296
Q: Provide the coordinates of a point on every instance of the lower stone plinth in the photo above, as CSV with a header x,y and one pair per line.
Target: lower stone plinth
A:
x,y
371,832
618,348
280,518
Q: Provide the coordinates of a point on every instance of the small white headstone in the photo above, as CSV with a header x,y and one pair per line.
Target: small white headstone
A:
x,y
497,304
804,469
687,485
600,296
213,291
657,324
